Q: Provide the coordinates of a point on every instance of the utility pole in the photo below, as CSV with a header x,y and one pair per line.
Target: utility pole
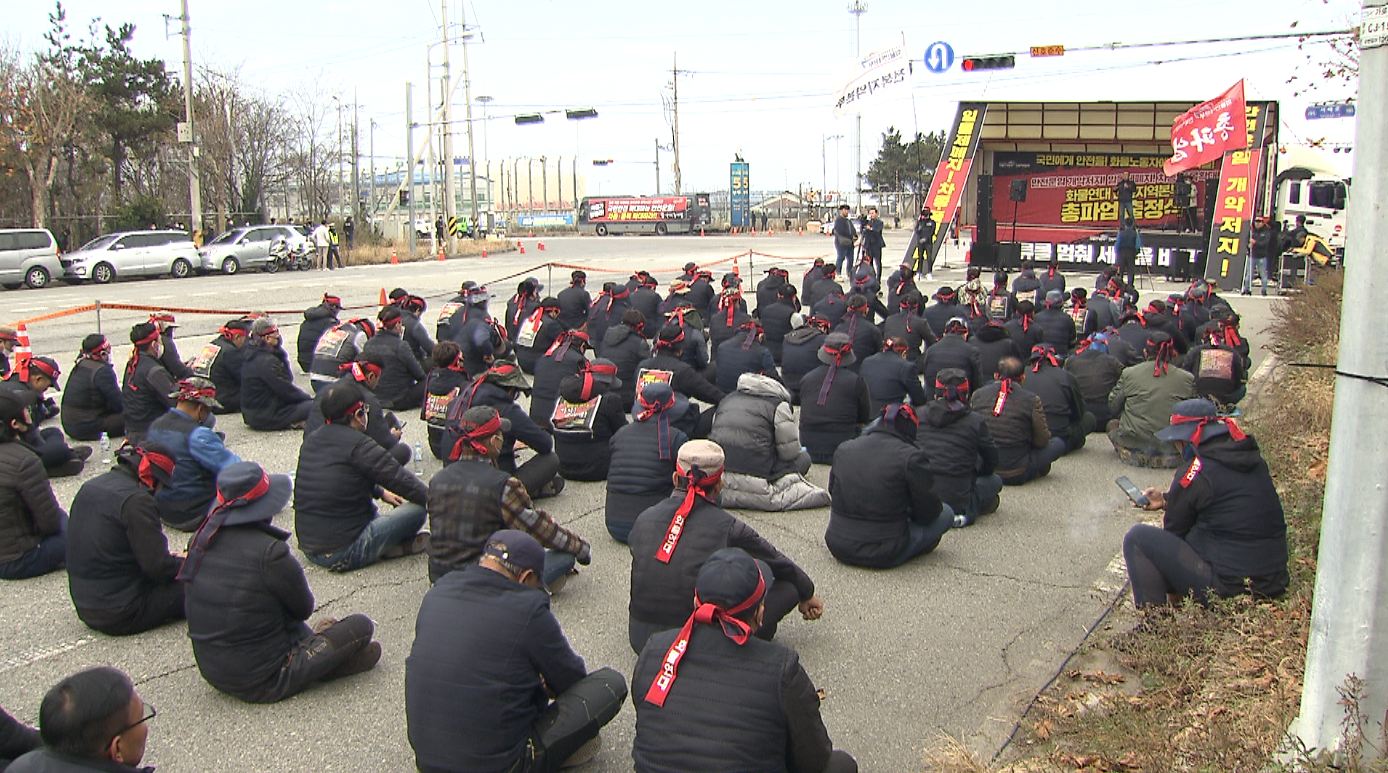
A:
x,y
447,93
341,175
657,166
1349,630
194,185
371,163
675,78
858,8
409,161
356,164
467,99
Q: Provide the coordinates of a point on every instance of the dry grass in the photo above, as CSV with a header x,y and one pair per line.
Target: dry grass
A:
x,y
376,254
1209,689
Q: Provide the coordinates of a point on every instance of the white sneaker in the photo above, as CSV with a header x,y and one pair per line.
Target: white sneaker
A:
x,y
960,521
929,277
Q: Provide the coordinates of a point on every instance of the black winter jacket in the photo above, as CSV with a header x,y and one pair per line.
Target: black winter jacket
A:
x,y
246,608
145,393
340,474
734,360
1020,427
685,379
1097,374
522,427
116,549
316,320
626,348
775,322
574,302
952,351
90,395
377,426
549,372
799,356
958,450
647,301
939,314
28,510
402,370
1057,329
866,337
847,407
993,343
879,483
912,328
267,387
1061,398
891,379
225,374
584,452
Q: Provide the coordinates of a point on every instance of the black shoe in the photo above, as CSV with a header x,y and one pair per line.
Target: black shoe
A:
x,y
365,660
553,488
67,469
82,452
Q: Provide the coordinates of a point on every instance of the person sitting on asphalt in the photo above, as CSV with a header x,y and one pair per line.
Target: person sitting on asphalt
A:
x,y
1143,399
563,358
446,381
701,292
92,404
574,301
834,401
248,601
168,350
1026,286
1016,419
482,339
402,384
1097,372
646,299
672,539
93,720
800,351
221,361
884,512
607,309
8,339
667,364
1021,327
199,454
1223,532
727,316
719,698
59,459
499,388
1218,366
317,320
856,323
1061,398
1224,328
833,305
625,345
488,654
471,498
695,350
521,305
766,464
769,288
341,472
538,333
901,282
993,343
775,318
643,457
270,401
891,376
119,569
32,524
953,351
383,427
338,347
959,451
807,280
822,286
16,738
1101,309
1056,325
945,308
146,382
588,414
744,353
1052,279
909,326
416,337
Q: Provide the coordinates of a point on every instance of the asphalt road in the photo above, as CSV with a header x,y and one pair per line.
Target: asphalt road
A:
x,y
954,643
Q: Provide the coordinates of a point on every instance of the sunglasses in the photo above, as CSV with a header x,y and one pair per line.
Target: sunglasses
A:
x,y
149,713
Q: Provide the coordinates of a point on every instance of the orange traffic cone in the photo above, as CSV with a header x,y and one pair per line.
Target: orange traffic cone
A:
x,y
484,252
441,255
23,354
383,297
394,258
701,230
541,245
522,249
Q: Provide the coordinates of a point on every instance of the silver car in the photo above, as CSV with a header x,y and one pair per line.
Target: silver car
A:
x,y
246,247
28,256
132,253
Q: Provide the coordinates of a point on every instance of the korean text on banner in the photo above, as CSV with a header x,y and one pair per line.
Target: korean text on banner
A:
x,y
951,174
1205,132
878,72
1235,203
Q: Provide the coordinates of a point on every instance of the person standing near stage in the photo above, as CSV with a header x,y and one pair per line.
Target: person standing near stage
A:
x,y
1125,190
925,240
1127,245
873,241
844,238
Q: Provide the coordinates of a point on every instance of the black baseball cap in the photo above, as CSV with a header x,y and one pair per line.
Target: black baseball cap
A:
x,y
518,551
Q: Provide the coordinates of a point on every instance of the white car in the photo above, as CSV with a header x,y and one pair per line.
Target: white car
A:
x,y
28,256
246,247
132,253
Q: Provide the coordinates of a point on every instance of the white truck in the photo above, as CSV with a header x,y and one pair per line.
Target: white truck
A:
x,y
1307,186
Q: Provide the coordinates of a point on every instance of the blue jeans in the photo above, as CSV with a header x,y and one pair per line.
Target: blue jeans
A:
x,y
48,556
923,537
985,488
843,256
557,565
385,531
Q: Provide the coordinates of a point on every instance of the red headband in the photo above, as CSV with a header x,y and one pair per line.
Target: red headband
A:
x,y
47,370
361,370
901,408
661,343
1040,354
257,491
1004,389
332,300
697,484
148,461
707,614
474,437
1235,431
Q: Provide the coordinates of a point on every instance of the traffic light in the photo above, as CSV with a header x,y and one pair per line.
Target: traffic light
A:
x,y
975,63
526,118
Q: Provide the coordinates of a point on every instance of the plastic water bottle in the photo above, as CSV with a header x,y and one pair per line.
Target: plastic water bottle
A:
x,y
105,449
418,460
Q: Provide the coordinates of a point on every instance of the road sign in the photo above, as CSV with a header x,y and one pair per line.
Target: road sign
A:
x,y
1330,110
1373,27
939,56
1048,50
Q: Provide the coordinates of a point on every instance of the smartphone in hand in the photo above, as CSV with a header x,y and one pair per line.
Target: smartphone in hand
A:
x,y
1134,493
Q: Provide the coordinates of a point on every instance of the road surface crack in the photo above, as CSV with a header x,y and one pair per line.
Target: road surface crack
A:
x,y
1020,580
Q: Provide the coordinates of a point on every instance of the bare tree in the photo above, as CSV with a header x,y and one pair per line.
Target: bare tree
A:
x,y
42,105
313,155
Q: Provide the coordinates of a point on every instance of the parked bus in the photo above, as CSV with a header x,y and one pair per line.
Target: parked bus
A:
x,y
662,215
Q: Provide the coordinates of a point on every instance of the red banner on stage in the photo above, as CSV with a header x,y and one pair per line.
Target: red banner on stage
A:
x,y
1233,209
1204,132
947,186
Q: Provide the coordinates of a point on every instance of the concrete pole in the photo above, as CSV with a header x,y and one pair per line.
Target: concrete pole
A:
x,y
675,77
447,93
356,164
858,8
1349,619
371,164
341,175
467,100
194,184
657,166
409,162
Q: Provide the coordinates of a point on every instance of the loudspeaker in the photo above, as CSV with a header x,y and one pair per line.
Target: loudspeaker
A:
x,y
1018,191
1009,255
987,226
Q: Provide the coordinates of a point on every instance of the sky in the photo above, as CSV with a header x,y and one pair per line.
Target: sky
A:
x,y
757,78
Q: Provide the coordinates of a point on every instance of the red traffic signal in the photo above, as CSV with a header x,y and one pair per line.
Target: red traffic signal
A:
x,y
974,63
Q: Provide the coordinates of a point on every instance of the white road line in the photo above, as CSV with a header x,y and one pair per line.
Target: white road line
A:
x,y
42,653
28,308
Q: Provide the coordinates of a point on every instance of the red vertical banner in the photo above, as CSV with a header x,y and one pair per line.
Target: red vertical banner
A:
x,y
952,173
1204,132
1234,204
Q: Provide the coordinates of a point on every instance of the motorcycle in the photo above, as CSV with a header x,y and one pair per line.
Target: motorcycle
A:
x,y
298,258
